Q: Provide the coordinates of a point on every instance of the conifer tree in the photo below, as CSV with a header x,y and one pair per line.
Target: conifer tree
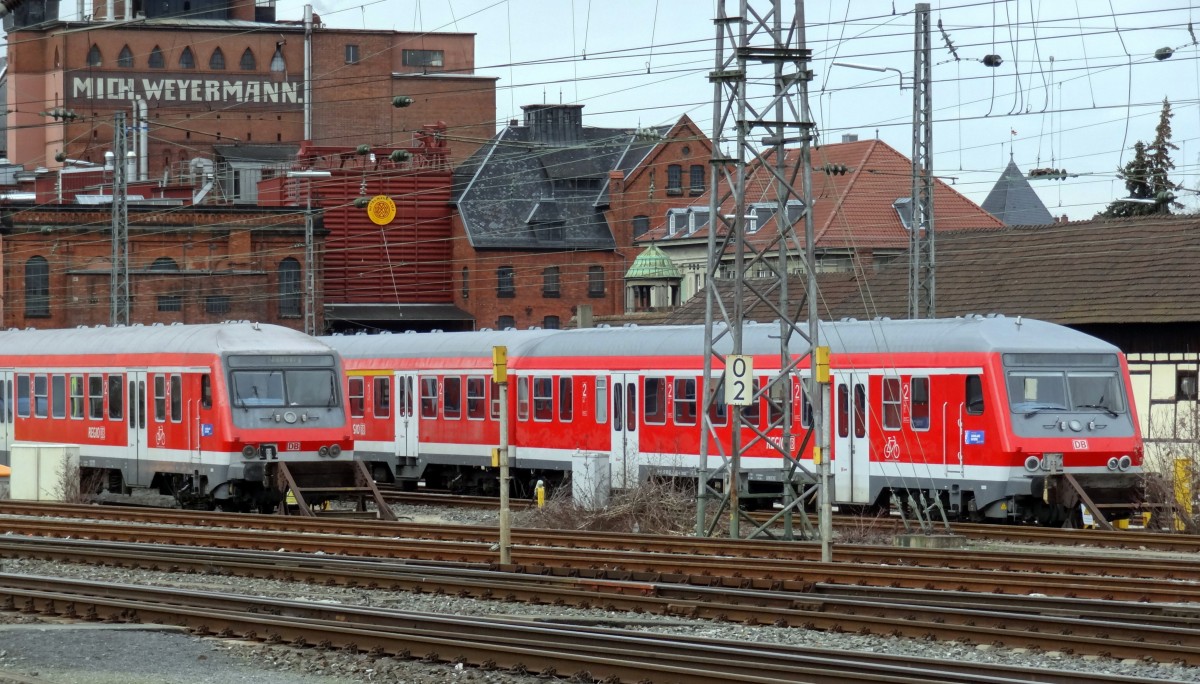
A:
x,y
1147,175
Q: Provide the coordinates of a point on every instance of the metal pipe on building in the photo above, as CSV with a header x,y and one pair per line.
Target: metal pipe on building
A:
x,y
142,140
308,26
110,10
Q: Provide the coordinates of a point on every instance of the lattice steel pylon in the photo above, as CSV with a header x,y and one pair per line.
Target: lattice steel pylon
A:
x,y
922,301
119,312
760,104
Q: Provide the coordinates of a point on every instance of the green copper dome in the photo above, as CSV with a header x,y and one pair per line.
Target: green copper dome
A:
x,y
651,264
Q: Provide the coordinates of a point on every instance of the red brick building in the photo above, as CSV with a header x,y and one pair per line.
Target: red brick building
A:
x,y
201,265
547,212
195,78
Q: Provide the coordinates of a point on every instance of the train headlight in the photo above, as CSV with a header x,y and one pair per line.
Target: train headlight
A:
x,y
1033,464
1112,463
1124,463
323,451
248,451
335,450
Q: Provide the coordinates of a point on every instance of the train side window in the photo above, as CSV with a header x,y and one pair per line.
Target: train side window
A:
x,y
654,402
843,410
76,385
452,397
41,396
176,398
206,391
777,394
8,401
355,395
58,396
403,403
751,413
543,398
974,395
475,398
631,406
718,411
601,400
618,407
495,390
429,397
23,396
382,400
920,403
141,405
891,403
685,401
115,405
566,399
160,398
523,398
860,410
133,409
95,397
806,407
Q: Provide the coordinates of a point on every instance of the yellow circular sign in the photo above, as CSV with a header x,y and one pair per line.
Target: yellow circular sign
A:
x,y
381,209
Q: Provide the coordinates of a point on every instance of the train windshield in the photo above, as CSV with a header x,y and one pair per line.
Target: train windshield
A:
x,y
1064,382
274,387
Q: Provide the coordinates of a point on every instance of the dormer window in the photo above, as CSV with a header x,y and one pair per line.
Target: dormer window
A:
x,y
903,207
691,222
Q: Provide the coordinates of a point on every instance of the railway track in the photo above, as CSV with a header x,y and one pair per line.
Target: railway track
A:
x,y
780,570
1116,630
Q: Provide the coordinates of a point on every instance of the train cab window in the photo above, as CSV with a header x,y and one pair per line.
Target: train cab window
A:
x,y
860,410
23,396
974,395
843,410
176,398
601,400
115,395
654,402
354,393
382,401
543,398
718,411
566,400
476,401
751,413
429,397
522,398
58,396
685,401
891,403
76,385
160,398
920,403
452,397
95,397
495,390
205,391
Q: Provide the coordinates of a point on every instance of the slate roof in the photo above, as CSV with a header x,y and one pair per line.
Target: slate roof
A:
x,y
1013,200
1119,271
854,210
525,190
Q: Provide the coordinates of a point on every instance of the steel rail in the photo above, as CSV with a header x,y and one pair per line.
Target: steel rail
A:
x,y
585,652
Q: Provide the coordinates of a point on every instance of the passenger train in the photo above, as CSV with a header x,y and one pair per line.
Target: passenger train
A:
x,y
980,412
204,413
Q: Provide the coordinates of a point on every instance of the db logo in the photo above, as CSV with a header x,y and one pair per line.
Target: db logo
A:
x,y
1079,444
891,450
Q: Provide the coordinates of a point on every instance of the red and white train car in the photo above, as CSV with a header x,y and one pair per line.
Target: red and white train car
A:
x,y
202,412
976,411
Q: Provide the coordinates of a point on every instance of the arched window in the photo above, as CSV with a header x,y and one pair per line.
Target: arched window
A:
x,y
164,264
289,288
156,59
217,61
278,64
94,59
248,62
37,287
186,59
125,59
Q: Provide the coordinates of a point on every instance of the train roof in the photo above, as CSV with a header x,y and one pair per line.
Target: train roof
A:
x,y
215,338
972,333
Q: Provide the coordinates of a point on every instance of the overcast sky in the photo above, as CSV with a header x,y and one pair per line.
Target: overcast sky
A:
x,y
645,62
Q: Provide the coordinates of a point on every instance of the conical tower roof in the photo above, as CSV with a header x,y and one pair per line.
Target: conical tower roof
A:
x,y
1014,202
652,263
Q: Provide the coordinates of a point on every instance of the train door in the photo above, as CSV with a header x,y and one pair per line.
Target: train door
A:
x,y
139,433
6,414
624,424
851,449
406,416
